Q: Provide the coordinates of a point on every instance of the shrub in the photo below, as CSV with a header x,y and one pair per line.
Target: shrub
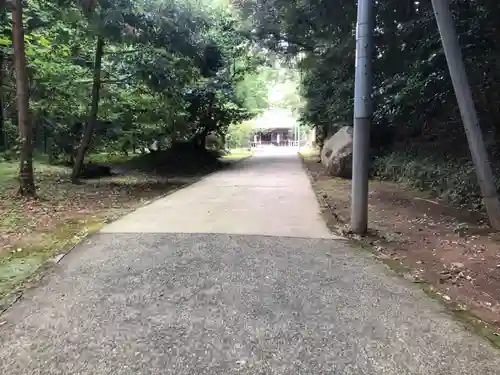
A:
x,y
454,181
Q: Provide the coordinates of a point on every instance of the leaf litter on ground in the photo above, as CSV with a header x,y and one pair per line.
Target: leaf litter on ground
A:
x,y
450,250
34,230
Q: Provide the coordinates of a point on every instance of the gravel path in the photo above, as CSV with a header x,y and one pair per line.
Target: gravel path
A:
x,y
236,274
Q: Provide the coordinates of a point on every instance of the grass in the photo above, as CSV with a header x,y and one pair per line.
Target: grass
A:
x,y
20,264
109,158
238,154
464,316
8,174
32,231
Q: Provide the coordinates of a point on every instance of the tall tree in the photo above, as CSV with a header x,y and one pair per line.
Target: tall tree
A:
x,y
26,178
417,130
171,70
2,116
94,109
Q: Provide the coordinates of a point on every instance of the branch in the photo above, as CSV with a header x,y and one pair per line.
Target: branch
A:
x,y
124,52
118,80
278,36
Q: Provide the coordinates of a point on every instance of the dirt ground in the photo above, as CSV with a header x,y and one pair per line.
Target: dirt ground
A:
x,y
33,231
452,251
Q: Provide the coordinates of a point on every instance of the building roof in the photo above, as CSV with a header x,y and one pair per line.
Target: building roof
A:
x,y
276,118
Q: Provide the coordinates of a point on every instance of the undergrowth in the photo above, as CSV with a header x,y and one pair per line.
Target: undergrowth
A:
x,y
452,180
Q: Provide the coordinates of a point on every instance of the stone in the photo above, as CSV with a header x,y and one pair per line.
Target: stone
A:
x,y
213,142
336,154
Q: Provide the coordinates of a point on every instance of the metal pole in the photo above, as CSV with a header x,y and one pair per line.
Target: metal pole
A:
x,y
295,135
297,131
463,93
363,112
298,135
293,141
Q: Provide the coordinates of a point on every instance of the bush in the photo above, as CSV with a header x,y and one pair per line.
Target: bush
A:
x,y
454,181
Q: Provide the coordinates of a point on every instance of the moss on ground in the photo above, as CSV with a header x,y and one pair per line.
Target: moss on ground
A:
x,y
33,231
338,225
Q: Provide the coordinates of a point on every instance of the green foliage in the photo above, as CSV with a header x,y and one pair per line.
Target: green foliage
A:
x,y
172,70
238,135
451,180
253,91
415,106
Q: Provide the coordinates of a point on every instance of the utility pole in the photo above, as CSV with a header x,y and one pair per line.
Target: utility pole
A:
x,y
363,112
463,94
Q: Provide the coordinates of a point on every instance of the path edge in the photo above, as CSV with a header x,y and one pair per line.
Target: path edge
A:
x,y
467,319
47,266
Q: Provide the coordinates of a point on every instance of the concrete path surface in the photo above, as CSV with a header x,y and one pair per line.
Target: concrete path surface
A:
x,y
236,274
262,196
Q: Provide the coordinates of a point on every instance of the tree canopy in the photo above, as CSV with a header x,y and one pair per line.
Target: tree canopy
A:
x,y
124,74
128,73
417,132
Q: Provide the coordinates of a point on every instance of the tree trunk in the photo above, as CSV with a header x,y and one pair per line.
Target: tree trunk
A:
x,y
3,63
26,179
208,122
223,140
200,139
3,138
94,108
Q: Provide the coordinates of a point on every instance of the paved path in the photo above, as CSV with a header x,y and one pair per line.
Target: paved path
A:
x,y
236,274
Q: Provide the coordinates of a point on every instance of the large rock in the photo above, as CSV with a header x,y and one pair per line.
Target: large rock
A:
x,y
336,154
213,142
